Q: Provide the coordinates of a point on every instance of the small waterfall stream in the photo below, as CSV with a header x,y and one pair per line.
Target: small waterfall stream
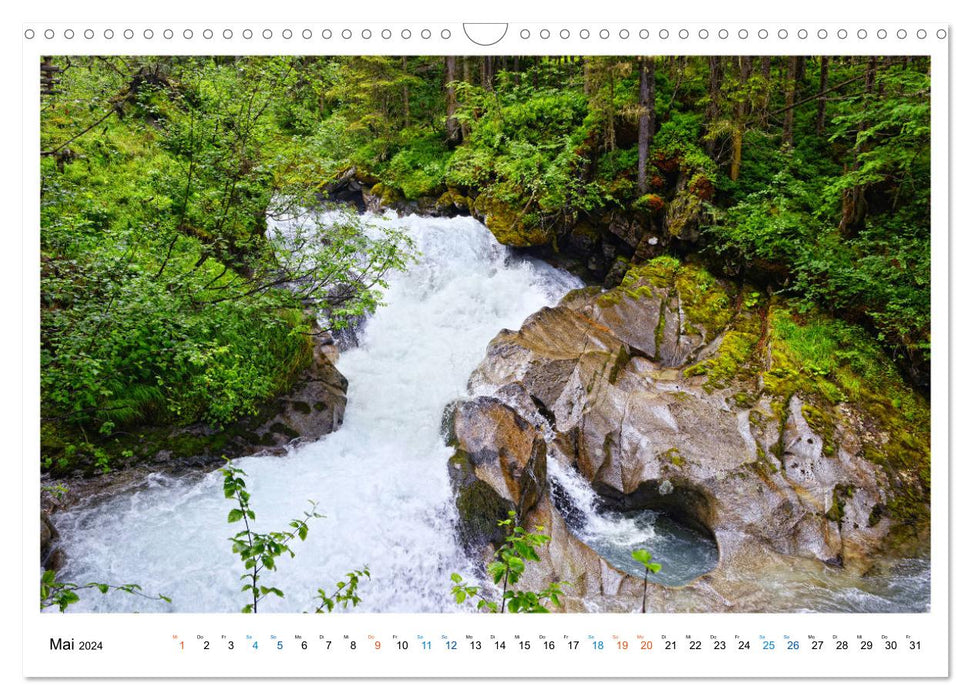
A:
x,y
684,552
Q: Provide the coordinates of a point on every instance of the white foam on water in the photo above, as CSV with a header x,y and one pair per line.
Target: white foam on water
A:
x,y
381,479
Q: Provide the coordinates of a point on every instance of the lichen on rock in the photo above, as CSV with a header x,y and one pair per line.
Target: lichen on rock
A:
x,y
794,431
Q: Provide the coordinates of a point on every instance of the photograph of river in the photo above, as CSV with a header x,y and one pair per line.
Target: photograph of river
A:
x,y
473,334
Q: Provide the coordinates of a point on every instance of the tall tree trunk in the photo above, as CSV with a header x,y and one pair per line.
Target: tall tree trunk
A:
x,y
404,92
714,87
821,100
645,127
854,198
745,68
790,101
453,132
611,131
487,72
467,79
676,65
741,112
767,82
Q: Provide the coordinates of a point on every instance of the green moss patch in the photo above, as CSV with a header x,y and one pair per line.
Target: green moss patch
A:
x,y
510,227
672,457
387,195
733,361
704,300
829,362
823,424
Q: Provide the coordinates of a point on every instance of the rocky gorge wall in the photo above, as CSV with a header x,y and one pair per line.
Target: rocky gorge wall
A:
x,y
681,392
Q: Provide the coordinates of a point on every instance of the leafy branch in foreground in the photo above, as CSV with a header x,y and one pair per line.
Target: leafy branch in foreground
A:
x,y
642,556
63,593
259,551
345,593
508,567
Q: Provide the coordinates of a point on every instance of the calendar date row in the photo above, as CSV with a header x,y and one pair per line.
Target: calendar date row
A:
x,y
422,643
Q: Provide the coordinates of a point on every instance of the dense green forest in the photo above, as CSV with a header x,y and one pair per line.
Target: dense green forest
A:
x,y
164,302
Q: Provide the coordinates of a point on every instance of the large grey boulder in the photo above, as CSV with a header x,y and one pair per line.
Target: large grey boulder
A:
x,y
666,392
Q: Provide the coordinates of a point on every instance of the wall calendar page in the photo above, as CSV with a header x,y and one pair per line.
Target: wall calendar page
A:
x,y
366,348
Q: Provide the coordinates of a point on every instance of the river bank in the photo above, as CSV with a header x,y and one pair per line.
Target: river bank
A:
x,y
381,479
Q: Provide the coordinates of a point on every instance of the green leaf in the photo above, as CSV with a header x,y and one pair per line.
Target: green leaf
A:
x,y
642,556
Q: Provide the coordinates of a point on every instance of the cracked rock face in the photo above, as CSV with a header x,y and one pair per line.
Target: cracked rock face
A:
x,y
609,384
312,409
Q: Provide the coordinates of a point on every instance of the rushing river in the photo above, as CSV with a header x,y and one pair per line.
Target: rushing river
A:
x,y
381,480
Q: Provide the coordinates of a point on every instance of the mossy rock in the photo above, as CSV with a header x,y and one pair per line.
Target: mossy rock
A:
x,y
578,297
769,349
673,457
620,361
452,199
744,399
841,494
617,294
704,299
823,424
387,195
507,225
684,216
586,229
651,203
479,507
732,362
830,363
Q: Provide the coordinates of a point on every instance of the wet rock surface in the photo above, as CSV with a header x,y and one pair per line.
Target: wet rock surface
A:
x,y
629,388
313,408
499,465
